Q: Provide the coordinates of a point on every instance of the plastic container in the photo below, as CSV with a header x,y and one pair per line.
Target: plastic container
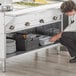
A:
x,y
45,40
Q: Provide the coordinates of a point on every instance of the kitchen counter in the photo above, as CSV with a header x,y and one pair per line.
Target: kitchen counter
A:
x,y
33,9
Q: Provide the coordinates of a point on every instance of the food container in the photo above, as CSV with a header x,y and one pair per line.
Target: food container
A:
x,y
29,42
45,40
10,46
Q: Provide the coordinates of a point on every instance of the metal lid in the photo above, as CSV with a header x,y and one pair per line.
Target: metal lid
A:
x,y
10,40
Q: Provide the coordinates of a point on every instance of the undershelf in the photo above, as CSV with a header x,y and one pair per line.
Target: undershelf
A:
x,y
35,50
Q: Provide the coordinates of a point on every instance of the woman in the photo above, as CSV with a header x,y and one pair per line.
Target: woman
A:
x,y
68,37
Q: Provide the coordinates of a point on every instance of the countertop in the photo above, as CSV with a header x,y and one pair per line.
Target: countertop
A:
x,y
32,9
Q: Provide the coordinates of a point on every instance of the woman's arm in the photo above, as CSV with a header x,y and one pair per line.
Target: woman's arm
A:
x,y
56,37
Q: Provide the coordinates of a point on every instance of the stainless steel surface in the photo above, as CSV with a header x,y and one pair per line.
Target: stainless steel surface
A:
x,y
33,19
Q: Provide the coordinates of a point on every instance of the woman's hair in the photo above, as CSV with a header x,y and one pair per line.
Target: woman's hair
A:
x,y
68,6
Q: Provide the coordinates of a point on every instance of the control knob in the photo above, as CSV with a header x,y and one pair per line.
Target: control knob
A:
x,y
27,24
55,18
11,27
41,21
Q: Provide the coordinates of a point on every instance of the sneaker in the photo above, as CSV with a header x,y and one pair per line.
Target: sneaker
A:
x,y
72,60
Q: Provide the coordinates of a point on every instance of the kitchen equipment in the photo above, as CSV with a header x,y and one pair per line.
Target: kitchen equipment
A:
x,y
21,19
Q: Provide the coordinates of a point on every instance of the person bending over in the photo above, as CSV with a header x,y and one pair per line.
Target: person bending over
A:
x,y
68,36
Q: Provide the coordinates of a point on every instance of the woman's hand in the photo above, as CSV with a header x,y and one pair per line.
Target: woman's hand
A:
x,y
56,37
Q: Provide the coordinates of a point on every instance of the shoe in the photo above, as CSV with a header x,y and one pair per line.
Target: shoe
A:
x,y
72,60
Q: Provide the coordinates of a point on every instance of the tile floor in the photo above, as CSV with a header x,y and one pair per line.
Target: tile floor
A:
x,y
47,64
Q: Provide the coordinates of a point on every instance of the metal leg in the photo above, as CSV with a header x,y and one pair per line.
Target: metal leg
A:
x,y
4,65
47,52
46,55
58,50
36,56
